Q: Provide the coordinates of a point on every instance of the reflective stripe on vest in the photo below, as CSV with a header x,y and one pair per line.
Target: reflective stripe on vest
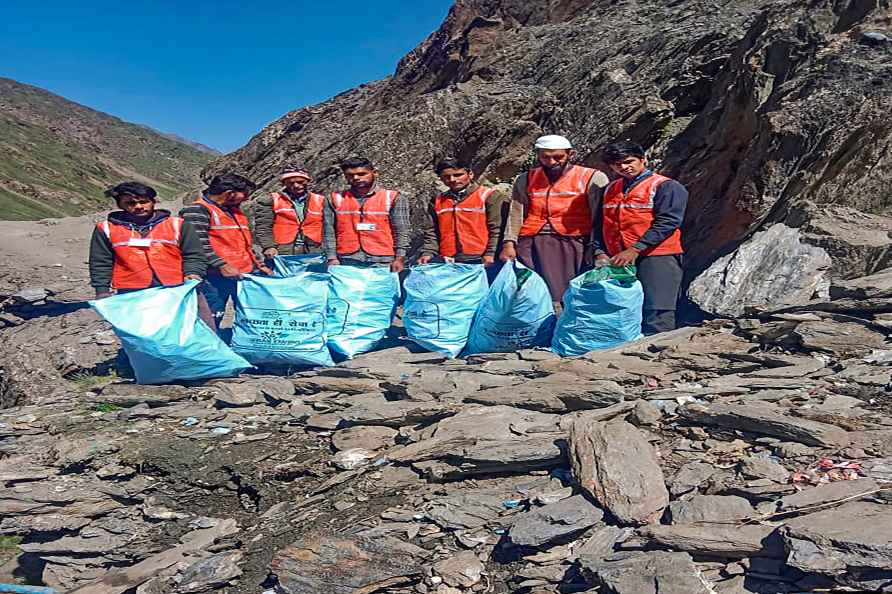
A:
x,y
627,217
136,264
563,204
287,225
364,227
230,236
462,226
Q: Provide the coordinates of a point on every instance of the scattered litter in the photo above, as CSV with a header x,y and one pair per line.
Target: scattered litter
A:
x,y
352,458
221,430
190,422
828,471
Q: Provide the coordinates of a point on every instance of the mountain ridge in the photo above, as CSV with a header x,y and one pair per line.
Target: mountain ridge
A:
x,y
57,156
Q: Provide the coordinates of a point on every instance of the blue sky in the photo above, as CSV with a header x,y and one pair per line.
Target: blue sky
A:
x,y
215,72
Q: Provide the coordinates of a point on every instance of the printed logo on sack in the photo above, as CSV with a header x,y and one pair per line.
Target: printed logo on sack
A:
x,y
278,330
424,319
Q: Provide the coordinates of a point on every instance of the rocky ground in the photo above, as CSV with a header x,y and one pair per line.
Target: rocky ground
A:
x,y
750,454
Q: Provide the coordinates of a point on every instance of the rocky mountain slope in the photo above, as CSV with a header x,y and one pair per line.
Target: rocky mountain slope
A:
x,y
56,157
754,105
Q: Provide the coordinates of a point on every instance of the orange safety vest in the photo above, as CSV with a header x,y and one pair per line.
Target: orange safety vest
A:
x,y
286,225
230,236
365,227
628,216
139,259
563,204
463,224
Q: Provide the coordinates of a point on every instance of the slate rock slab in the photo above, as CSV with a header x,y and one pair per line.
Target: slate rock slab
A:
x,y
553,522
656,572
718,540
463,569
614,463
371,438
212,573
471,509
766,419
127,395
709,508
823,494
843,339
857,535
333,564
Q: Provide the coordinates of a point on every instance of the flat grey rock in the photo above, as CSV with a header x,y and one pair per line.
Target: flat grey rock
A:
x,y
841,540
753,467
709,508
823,494
766,419
655,572
721,540
553,522
333,564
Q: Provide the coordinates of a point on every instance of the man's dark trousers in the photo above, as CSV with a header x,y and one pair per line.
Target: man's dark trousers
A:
x,y
660,278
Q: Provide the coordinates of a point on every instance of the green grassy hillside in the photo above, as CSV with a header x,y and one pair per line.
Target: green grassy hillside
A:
x,y
57,157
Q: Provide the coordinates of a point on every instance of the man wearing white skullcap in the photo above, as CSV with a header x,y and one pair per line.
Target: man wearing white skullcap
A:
x,y
550,217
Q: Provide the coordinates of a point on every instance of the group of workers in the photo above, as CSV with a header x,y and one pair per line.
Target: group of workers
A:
x,y
560,220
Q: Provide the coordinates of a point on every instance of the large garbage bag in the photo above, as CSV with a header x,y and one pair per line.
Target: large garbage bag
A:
x,y
284,266
516,314
441,300
602,309
361,305
281,321
164,338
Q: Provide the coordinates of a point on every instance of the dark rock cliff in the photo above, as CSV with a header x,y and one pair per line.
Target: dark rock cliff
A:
x,y
755,106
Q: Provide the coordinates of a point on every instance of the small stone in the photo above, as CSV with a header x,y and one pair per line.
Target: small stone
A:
x,y
789,449
645,413
874,39
709,508
461,570
366,438
755,467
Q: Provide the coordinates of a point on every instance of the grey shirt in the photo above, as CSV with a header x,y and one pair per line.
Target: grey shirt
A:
x,y
399,224
520,199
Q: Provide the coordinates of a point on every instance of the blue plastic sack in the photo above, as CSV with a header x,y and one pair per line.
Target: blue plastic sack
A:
x,y
361,305
281,321
441,300
602,309
516,314
285,266
164,338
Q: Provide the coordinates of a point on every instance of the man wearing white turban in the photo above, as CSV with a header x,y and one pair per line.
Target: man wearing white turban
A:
x,y
551,212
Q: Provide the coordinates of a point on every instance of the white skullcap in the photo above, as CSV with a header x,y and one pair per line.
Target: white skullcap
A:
x,y
552,142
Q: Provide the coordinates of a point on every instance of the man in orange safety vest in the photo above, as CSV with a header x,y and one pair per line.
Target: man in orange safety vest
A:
x,y
463,224
366,225
550,219
639,222
228,244
140,246
289,222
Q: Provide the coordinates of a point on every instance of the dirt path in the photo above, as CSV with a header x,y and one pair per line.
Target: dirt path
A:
x,y
51,253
